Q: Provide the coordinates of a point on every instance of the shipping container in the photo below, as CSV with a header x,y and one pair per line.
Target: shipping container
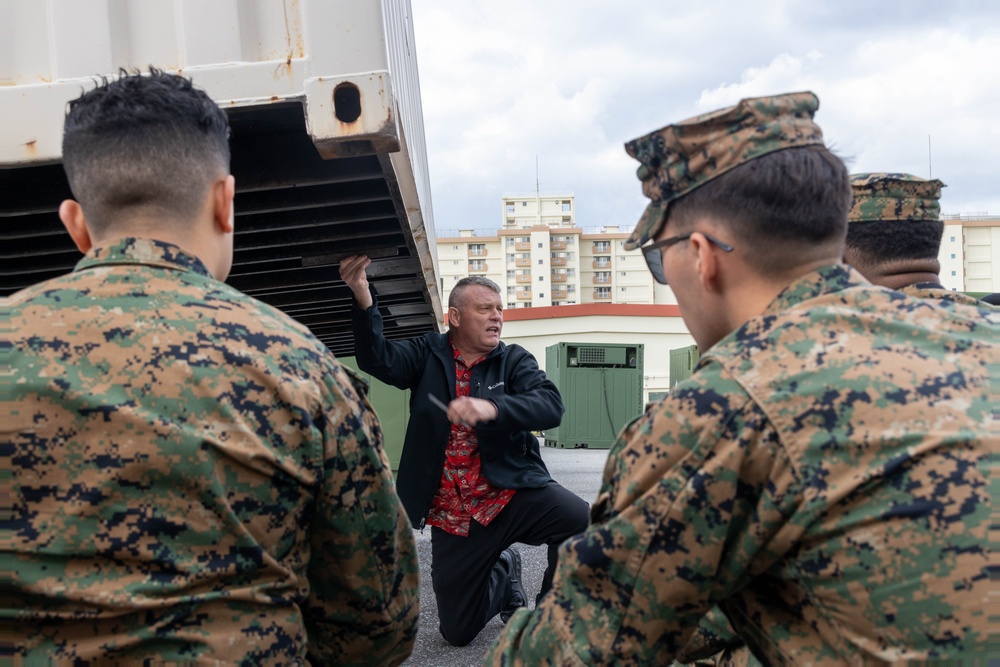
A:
x,y
327,141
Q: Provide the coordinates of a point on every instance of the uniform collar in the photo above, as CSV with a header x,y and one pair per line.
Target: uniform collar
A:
x,y
827,279
148,252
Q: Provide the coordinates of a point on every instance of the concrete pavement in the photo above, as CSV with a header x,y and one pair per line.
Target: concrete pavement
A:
x,y
579,470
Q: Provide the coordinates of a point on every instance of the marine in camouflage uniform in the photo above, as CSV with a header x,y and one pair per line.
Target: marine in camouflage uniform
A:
x,y
195,478
894,235
822,476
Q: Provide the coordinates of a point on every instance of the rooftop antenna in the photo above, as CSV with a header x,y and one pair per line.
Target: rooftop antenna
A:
x,y
538,193
930,170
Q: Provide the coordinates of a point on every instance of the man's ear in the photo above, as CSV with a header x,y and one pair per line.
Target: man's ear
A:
x,y
706,262
223,192
453,316
71,214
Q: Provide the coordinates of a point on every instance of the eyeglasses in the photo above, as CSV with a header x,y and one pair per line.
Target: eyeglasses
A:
x,y
654,253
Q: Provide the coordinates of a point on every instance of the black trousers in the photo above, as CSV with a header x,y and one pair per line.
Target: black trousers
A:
x,y
470,585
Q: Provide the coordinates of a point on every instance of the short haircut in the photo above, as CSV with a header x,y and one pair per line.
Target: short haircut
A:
x,y
877,242
456,298
144,144
786,208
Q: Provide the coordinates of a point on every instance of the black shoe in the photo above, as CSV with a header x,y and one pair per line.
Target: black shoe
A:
x,y
511,559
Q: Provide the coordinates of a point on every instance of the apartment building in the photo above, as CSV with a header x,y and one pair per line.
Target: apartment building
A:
x,y
539,257
970,252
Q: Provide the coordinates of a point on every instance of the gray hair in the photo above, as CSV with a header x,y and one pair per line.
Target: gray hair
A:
x,y
455,298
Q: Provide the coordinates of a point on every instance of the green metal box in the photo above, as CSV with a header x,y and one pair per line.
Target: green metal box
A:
x,y
601,387
392,407
682,363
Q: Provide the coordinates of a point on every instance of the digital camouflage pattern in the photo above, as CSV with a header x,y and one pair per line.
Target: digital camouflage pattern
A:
x,y
944,295
195,479
822,478
681,157
884,196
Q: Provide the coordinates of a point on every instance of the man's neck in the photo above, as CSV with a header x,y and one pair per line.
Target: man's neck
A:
x,y
896,275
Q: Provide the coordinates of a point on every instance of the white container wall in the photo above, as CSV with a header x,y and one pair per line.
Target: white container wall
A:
x,y
350,64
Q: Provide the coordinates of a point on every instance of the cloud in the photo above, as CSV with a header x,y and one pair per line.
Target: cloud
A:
x,y
570,82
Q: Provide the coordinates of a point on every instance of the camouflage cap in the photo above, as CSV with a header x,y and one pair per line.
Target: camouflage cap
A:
x,y
684,156
880,196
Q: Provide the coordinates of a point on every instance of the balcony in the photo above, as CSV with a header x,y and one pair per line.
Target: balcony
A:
x,y
559,294
523,279
558,277
557,245
478,267
522,261
602,278
558,261
602,263
477,252
524,296
602,248
602,296
522,245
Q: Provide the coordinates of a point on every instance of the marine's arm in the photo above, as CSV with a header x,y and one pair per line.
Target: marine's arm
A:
x,y
688,500
363,572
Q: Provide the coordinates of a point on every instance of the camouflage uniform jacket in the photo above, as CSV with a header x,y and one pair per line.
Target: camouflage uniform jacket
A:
x,y
822,477
195,479
942,293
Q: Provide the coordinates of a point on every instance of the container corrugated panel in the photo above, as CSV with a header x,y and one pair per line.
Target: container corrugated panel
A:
x,y
328,142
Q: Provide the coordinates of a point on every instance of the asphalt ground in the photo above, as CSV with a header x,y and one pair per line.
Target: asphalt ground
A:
x,y
579,470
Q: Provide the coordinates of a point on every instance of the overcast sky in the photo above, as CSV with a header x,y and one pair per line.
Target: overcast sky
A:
x,y
570,81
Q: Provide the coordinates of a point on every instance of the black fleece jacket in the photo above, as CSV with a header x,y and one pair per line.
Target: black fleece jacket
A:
x,y
509,376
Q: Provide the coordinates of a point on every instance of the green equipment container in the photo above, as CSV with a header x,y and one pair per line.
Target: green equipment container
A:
x,y
392,407
601,387
682,363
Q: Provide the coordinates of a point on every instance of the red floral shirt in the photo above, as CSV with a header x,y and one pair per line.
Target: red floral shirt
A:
x,y
464,492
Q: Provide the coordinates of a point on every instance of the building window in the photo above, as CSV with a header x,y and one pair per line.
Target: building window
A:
x,y
952,239
565,206
541,279
477,265
454,247
602,246
539,245
455,263
603,292
524,203
539,261
624,273
510,208
953,255
477,248
541,295
510,275
623,289
952,273
602,277
602,262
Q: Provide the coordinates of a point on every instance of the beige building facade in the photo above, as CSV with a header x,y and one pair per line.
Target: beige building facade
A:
x,y
539,258
970,253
